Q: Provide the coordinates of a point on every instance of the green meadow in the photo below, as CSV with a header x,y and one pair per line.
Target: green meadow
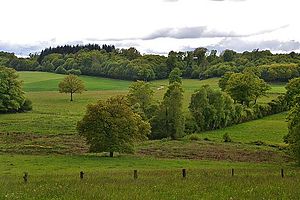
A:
x,y
44,143
53,113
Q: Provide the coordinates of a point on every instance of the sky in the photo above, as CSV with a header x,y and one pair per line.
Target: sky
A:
x,y
151,26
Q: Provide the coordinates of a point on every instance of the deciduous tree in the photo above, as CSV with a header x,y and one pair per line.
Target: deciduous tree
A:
x,y
12,97
71,84
112,126
246,87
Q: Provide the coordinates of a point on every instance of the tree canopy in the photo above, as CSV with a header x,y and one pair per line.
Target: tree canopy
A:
x,y
12,98
71,84
141,95
112,126
244,87
293,137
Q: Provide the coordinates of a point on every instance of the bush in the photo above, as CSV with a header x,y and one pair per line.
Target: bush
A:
x,y
194,137
226,138
26,106
258,143
74,71
61,70
190,125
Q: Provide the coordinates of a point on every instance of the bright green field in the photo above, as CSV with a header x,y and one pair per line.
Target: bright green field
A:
x,y
54,113
270,130
57,177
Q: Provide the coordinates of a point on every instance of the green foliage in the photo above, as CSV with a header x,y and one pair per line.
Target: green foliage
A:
x,y
175,76
71,84
76,72
244,88
48,67
61,70
292,90
293,137
52,114
279,72
131,53
169,119
228,55
218,70
194,137
223,81
26,106
226,138
112,126
140,93
212,109
12,97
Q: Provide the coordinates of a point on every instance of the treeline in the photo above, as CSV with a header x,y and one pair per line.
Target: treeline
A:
x,y
107,61
68,49
209,109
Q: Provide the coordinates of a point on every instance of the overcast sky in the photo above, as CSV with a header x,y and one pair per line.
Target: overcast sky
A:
x,y
151,26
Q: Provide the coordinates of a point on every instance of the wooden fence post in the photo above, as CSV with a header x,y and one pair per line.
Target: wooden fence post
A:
x,y
232,172
282,173
81,175
25,177
183,173
135,174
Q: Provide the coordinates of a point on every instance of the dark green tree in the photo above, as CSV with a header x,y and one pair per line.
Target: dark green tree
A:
x,y
175,76
212,109
169,118
293,137
140,93
112,126
228,55
12,98
247,87
292,90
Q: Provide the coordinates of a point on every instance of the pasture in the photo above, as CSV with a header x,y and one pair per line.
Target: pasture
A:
x,y
44,143
53,113
57,177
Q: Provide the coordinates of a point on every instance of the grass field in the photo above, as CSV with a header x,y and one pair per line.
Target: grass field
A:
x,y
57,177
44,143
269,130
53,113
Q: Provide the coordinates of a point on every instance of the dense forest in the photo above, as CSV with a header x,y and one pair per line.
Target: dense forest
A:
x,y
130,64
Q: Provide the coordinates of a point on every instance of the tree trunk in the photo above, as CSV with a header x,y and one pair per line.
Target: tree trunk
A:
x,y
71,96
111,154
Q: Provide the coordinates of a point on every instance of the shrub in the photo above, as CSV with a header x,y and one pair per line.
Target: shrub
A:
x,y
61,70
26,106
226,138
194,137
74,72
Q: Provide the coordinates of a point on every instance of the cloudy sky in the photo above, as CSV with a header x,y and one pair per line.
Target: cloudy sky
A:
x,y
151,26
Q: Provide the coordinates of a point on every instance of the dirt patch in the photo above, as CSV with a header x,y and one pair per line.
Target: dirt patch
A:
x,y
212,151
25,143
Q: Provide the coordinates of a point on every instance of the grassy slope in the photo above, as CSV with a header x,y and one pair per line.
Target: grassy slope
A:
x,y
56,177
54,114
270,130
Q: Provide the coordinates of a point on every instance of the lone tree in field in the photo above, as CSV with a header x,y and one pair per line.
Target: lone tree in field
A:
x,y
71,84
112,126
12,97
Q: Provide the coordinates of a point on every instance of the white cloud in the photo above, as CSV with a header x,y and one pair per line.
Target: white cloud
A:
x,y
188,22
